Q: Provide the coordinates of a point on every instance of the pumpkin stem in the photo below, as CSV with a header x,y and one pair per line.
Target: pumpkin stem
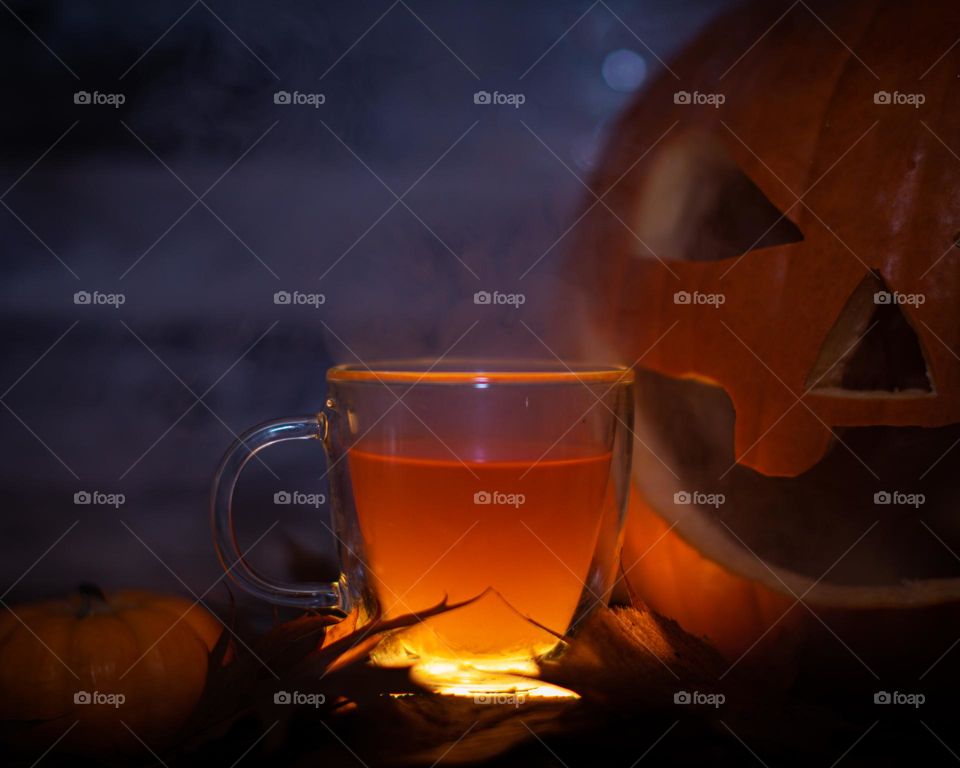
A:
x,y
88,593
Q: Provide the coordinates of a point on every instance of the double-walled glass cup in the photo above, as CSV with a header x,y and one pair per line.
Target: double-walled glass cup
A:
x,y
502,485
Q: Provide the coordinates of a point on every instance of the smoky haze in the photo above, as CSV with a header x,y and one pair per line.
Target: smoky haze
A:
x,y
303,200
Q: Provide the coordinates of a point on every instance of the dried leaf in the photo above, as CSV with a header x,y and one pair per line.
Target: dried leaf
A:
x,y
310,654
630,656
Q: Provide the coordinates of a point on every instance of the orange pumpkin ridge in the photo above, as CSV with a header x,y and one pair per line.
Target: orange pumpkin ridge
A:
x,y
99,658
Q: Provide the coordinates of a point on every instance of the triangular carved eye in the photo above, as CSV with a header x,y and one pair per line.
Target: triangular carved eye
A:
x,y
697,204
871,347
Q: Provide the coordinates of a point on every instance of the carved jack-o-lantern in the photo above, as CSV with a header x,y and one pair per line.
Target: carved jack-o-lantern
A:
x,y
782,264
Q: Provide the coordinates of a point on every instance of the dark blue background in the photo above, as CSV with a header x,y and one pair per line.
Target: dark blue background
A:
x,y
89,401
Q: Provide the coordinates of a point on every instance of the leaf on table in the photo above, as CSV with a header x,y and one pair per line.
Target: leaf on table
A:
x,y
635,656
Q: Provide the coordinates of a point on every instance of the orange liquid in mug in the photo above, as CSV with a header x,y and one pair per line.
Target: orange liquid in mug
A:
x,y
427,536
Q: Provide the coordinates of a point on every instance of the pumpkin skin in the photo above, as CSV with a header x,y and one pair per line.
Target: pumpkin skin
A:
x,y
700,595
100,637
800,118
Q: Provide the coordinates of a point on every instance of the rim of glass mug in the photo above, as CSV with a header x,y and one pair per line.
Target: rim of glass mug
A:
x,y
478,371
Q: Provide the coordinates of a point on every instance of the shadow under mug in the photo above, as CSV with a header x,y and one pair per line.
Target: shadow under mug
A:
x,y
503,484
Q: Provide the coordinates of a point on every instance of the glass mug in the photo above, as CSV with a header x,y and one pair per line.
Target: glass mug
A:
x,y
501,484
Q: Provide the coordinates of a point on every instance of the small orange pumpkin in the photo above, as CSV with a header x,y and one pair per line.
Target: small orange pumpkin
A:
x,y
93,660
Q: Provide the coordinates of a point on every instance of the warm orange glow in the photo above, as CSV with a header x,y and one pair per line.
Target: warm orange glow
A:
x,y
426,538
732,612
486,687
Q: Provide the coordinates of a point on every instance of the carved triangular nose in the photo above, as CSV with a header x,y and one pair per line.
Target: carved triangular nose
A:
x,y
872,347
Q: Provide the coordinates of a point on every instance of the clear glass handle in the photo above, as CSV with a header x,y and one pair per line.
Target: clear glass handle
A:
x,y
327,597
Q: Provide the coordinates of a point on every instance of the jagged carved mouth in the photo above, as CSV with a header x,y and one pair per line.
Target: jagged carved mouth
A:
x,y
807,523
